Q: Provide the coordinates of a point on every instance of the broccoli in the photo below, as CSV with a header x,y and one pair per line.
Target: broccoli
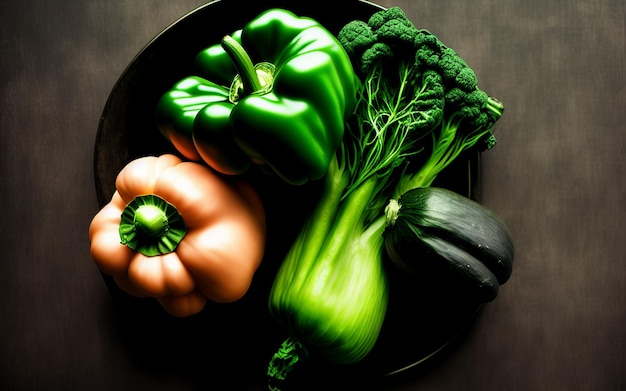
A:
x,y
423,79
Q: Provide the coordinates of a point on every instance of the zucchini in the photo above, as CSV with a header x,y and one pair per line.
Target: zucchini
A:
x,y
437,234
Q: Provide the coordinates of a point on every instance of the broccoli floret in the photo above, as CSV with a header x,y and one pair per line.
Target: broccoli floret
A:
x,y
430,53
473,115
470,109
456,72
388,34
392,27
412,72
356,37
428,50
391,37
378,53
395,14
470,104
394,35
395,32
426,39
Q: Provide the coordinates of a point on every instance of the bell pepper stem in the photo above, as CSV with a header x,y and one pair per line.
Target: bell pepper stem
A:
x,y
150,221
152,226
243,64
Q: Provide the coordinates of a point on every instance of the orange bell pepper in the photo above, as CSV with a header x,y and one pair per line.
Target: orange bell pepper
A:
x,y
181,233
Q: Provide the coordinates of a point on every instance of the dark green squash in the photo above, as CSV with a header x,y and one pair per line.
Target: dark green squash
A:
x,y
438,235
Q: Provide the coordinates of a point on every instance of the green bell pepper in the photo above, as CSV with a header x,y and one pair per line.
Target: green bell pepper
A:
x,y
275,93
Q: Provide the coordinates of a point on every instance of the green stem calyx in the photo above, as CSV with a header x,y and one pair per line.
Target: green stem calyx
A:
x,y
251,79
391,211
150,221
152,226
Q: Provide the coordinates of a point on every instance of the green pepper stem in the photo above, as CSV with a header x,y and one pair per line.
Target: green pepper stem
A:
x,y
150,221
243,64
152,226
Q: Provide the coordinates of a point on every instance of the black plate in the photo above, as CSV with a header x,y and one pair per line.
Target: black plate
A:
x,y
415,329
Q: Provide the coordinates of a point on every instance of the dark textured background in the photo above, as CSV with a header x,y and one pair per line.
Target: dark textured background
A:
x,y
556,177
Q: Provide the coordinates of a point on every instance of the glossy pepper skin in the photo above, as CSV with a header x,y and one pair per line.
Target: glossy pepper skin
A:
x,y
275,93
207,245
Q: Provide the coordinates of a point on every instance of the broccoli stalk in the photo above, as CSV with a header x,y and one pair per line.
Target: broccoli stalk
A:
x,y
451,140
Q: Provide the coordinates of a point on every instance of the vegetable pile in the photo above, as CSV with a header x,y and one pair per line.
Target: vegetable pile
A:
x,y
373,115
